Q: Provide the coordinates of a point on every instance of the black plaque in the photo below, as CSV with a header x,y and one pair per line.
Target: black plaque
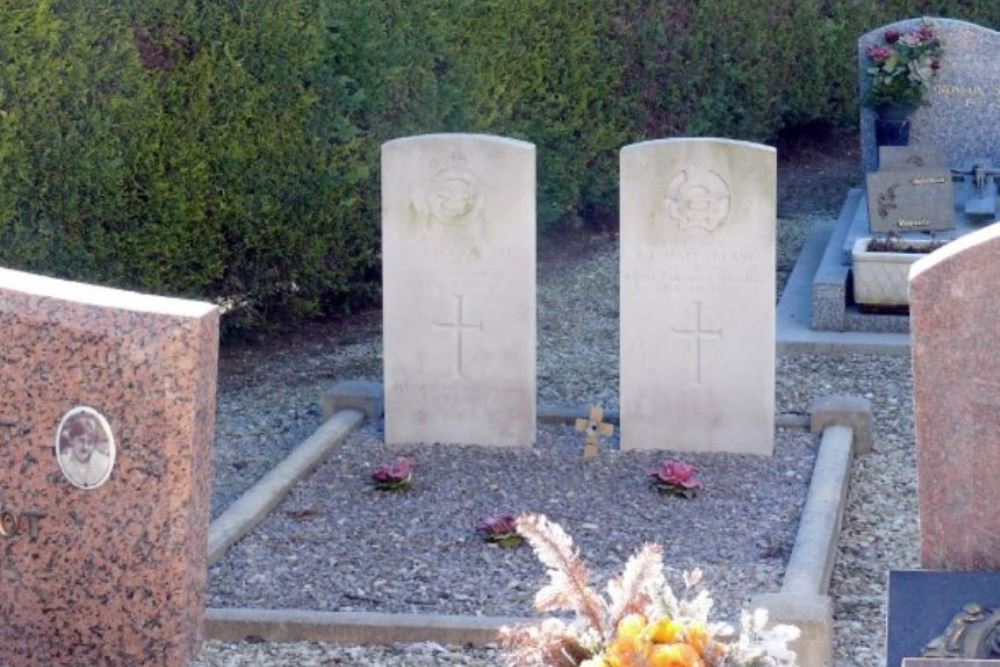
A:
x,y
922,603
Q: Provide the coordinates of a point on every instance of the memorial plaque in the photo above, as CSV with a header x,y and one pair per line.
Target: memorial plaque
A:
x,y
955,324
962,104
911,200
107,409
458,257
929,611
697,296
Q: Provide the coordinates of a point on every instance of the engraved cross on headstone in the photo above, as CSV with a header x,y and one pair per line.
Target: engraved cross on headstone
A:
x,y
596,428
699,334
459,326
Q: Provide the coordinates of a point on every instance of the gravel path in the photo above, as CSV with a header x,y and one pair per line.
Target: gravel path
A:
x,y
417,551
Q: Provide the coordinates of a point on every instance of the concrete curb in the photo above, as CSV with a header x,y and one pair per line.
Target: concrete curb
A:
x,y
288,625
253,506
794,316
570,413
803,600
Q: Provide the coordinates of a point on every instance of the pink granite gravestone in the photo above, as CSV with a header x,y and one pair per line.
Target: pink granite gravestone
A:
x,y
955,320
107,410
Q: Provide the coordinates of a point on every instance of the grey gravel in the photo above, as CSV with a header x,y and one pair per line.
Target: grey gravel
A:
x,y
577,364
336,544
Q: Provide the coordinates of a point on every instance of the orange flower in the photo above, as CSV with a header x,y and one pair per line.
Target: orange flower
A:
x,y
667,631
628,651
701,641
631,626
675,655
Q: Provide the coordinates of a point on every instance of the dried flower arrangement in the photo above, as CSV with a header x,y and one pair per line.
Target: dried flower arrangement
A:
x,y
675,478
500,530
641,623
395,477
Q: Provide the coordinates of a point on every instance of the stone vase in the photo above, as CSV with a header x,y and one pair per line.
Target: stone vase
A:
x,y
892,125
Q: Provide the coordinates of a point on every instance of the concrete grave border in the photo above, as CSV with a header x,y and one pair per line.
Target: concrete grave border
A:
x,y
345,407
844,421
819,269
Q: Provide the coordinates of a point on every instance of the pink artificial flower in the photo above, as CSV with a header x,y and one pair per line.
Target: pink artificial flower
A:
x,y
879,53
892,36
676,473
925,33
397,473
492,526
935,65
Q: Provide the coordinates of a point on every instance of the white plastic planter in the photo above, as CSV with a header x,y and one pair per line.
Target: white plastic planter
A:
x,y
880,278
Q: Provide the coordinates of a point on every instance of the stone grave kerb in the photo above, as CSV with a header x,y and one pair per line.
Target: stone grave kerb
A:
x,y
959,113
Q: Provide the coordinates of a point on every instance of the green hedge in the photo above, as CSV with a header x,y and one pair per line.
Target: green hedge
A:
x,y
229,150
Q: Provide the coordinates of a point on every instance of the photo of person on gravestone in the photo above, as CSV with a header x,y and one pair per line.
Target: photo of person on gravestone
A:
x,y
85,448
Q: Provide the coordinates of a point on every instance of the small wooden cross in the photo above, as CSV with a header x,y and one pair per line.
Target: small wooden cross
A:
x,y
596,428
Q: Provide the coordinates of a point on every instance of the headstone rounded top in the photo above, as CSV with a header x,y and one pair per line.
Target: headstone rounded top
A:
x,y
904,25
958,113
105,297
946,254
452,136
702,141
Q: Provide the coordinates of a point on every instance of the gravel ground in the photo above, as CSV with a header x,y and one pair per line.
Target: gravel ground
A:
x,y
272,387
417,551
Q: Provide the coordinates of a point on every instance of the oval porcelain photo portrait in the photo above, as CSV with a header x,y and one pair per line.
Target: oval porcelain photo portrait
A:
x,y
85,448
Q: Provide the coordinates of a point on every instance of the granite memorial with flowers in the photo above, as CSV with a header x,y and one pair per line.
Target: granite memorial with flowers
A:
x,y
901,68
931,83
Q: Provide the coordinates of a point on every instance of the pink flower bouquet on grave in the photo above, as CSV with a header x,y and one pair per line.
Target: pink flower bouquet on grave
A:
x,y
395,477
676,478
901,68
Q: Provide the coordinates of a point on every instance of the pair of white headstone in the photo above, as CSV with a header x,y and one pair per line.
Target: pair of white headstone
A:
x,y
697,292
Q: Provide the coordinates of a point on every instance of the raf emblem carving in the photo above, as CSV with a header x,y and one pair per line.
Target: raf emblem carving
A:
x,y
455,197
698,199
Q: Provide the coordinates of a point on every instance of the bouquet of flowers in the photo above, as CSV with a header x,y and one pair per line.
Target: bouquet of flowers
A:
x,y
901,67
641,623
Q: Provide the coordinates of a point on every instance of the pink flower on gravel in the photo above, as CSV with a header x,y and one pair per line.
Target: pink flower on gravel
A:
x,y
677,477
501,530
396,476
497,525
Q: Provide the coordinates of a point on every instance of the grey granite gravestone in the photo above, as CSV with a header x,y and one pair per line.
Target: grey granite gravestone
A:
x,y
961,108
922,603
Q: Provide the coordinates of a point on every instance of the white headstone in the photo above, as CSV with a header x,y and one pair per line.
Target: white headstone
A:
x,y
458,272
698,295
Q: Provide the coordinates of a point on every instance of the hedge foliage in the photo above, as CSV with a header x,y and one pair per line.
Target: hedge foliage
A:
x,y
229,149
